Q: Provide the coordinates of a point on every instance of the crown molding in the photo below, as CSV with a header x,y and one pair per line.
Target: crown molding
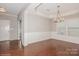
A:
x,y
34,6
64,14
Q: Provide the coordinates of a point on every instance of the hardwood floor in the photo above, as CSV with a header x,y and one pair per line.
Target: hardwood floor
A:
x,y
10,48
50,47
42,48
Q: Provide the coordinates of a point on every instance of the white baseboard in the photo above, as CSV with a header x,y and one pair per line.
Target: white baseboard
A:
x,y
35,37
40,36
67,38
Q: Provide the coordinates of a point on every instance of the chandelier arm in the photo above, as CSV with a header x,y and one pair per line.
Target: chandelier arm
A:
x,y
59,17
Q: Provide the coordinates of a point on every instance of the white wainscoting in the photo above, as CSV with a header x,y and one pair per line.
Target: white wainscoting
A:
x,y
40,36
67,38
35,37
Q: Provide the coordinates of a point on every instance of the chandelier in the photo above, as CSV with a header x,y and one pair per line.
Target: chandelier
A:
x,y
59,17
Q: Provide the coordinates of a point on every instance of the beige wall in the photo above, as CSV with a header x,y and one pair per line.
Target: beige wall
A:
x,y
13,26
4,30
72,25
13,29
36,23
53,26
36,28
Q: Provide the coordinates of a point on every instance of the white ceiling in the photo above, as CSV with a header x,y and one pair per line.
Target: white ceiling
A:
x,y
13,8
50,9
45,9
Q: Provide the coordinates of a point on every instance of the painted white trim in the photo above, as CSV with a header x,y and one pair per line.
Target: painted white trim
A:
x,y
40,36
50,16
54,16
35,37
57,36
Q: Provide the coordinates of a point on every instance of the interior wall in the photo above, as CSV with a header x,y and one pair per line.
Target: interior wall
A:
x,y
36,28
72,24
70,20
12,27
4,30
